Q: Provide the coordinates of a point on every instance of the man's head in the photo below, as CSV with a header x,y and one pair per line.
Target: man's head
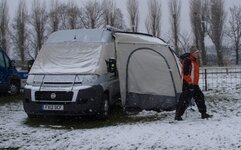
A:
x,y
194,51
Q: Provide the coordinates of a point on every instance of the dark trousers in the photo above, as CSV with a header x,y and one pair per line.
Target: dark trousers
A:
x,y
186,97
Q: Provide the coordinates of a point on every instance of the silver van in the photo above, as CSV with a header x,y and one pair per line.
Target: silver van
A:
x,y
74,74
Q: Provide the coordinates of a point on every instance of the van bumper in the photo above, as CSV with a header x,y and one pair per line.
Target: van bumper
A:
x,y
88,102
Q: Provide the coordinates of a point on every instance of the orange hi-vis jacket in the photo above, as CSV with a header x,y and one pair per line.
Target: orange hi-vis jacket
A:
x,y
190,70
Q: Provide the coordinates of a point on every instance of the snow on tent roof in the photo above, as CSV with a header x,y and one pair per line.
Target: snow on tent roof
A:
x,y
82,35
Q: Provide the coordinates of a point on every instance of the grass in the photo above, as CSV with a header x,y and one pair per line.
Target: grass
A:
x,y
117,117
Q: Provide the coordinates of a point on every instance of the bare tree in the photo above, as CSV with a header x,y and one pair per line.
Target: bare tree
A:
x,y
185,40
133,13
72,15
4,25
108,12
153,20
63,16
119,21
204,15
111,15
198,14
234,32
20,33
54,18
195,13
216,31
39,21
175,8
92,15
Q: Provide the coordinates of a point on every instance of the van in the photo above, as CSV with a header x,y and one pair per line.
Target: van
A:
x,y
74,74
9,78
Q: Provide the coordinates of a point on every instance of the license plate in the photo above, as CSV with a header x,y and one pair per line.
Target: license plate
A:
x,y
53,107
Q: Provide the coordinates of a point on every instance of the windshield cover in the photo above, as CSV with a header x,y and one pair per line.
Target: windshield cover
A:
x,y
67,58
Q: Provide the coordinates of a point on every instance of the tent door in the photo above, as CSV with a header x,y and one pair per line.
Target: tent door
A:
x,y
149,81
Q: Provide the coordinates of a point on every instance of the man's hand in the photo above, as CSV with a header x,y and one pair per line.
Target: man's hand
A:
x,y
191,87
196,87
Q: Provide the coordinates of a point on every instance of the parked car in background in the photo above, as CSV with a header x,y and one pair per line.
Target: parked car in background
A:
x,y
23,78
9,77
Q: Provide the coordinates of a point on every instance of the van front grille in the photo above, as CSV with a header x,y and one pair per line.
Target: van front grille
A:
x,y
53,95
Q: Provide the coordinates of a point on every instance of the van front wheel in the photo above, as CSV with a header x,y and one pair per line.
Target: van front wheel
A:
x,y
14,88
105,106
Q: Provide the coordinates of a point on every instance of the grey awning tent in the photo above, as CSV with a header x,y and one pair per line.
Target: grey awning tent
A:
x,y
149,72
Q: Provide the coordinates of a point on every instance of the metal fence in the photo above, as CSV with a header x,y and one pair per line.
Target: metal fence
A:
x,y
212,78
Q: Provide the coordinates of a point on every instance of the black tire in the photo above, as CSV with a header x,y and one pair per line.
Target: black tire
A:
x,y
105,107
131,111
30,116
14,88
33,116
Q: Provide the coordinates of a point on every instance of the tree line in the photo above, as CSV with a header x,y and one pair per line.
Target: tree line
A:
x,y
27,32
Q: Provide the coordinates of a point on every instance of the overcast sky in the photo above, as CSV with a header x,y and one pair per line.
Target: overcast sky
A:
x,y
185,21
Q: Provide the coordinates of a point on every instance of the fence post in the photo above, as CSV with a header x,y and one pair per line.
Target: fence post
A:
x,y
205,80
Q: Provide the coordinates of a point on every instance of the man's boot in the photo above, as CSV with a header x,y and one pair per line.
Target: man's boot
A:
x,y
205,115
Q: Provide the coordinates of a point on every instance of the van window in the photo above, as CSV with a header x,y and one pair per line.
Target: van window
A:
x,y
2,63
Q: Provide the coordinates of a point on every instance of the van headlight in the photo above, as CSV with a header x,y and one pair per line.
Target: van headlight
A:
x,y
89,79
34,80
30,80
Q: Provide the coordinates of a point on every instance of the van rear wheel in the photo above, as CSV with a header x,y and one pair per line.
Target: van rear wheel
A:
x,y
105,107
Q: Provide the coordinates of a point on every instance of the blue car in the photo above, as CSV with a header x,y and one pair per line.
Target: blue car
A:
x,y
9,77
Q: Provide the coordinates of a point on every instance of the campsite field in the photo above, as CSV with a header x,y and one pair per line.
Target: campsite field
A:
x,y
146,130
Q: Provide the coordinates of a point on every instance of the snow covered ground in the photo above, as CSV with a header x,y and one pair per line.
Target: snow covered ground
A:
x,y
223,131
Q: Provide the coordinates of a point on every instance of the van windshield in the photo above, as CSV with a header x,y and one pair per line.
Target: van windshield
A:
x,y
2,63
68,58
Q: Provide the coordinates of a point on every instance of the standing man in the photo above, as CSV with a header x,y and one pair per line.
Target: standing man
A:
x,y
191,89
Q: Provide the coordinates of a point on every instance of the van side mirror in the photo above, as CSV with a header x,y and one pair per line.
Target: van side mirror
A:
x,y
111,65
12,63
30,64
